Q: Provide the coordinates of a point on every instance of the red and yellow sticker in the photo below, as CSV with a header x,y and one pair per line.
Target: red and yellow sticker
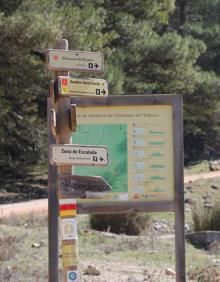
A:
x,y
64,86
67,207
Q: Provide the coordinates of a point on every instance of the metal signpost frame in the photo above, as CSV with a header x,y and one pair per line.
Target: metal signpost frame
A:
x,y
177,205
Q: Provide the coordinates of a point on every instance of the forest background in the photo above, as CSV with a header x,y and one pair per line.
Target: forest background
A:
x,y
149,46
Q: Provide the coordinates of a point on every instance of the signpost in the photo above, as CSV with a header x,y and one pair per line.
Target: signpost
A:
x,y
78,155
68,60
143,135
69,86
78,186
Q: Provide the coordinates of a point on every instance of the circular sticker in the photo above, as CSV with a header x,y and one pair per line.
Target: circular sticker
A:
x,y
68,228
72,276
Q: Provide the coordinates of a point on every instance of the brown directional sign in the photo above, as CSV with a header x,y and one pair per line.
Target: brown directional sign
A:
x,y
82,186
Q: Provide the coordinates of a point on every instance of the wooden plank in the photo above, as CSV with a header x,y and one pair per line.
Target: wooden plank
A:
x,y
120,100
179,190
78,186
52,93
53,122
124,207
73,121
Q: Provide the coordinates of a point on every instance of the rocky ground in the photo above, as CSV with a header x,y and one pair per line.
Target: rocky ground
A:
x,y
104,256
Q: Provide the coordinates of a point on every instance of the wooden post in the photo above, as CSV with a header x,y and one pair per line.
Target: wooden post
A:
x,y
179,191
63,109
52,207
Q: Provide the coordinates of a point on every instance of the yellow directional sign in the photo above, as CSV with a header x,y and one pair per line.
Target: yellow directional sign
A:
x,y
93,87
67,60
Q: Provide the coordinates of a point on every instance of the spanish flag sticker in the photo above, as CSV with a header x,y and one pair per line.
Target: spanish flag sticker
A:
x,y
67,207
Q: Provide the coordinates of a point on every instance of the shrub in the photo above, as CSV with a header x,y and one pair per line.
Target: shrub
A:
x,y
131,223
206,218
206,274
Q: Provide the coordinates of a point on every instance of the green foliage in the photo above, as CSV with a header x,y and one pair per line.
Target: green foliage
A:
x,y
9,6
22,82
132,223
200,20
149,47
205,218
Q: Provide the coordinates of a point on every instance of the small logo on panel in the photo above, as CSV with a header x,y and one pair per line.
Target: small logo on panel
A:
x,y
72,276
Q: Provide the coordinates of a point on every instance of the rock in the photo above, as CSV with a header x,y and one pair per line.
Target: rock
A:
x,y
92,270
152,252
36,245
42,243
187,209
169,271
215,187
132,279
187,228
189,201
161,226
108,250
208,205
189,188
214,165
216,262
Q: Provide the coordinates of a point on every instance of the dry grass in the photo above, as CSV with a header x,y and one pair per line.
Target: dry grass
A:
x,y
206,274
206,218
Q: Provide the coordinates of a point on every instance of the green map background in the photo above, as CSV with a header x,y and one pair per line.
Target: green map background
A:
x,y
114,137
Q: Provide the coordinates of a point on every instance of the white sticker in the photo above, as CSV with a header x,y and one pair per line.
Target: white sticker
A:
x,y
139,165
139,142
68,228
139,154
139,177
72,275
138,131
139,189
123,197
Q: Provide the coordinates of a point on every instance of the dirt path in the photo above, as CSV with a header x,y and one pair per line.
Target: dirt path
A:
x,y
206,175
41,206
